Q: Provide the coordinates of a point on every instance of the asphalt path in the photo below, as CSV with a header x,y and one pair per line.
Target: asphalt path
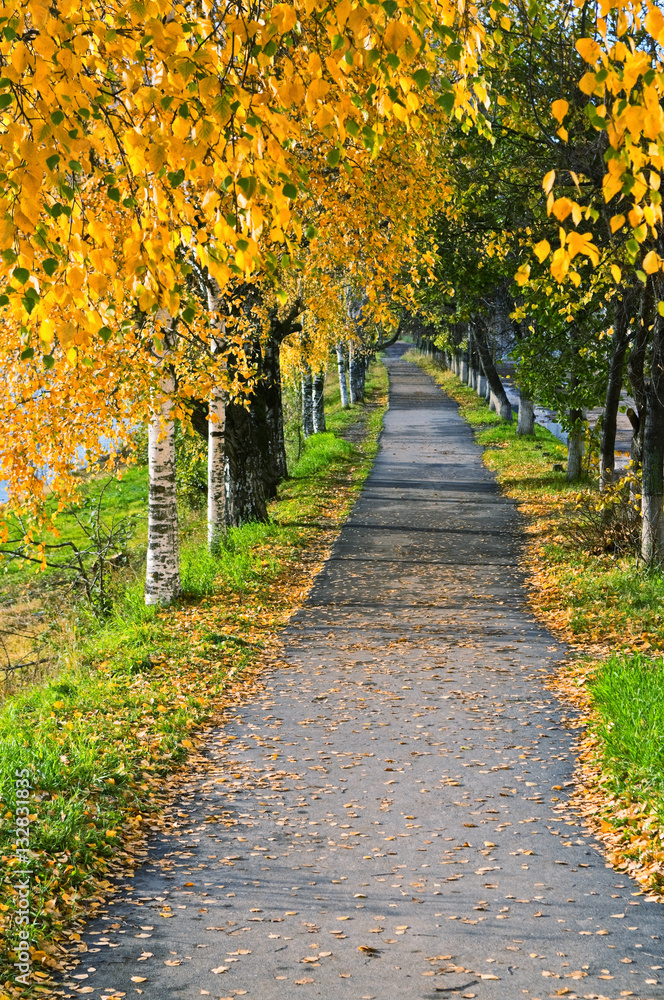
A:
x,y
387,817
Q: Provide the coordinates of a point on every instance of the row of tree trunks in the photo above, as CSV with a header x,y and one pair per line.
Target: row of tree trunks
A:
x,y
644,339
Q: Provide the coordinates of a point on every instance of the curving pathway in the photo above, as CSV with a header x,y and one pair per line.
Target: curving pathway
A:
x,y
387,818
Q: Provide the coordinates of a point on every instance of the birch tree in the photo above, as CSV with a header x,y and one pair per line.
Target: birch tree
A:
x,y
162,573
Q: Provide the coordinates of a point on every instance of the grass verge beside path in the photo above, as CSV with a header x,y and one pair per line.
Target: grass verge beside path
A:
x,y
611,612
106,740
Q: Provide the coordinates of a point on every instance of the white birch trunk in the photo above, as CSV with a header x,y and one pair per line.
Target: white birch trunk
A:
x,y
343,383
162,574
652,528
481,385
216,506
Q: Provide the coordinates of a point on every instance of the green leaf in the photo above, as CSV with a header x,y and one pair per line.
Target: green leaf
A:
x,y
183,111
188,314
75,166
454,51
27,354
49,361
446,102
421,78
290,191
21,274
105,333
114,194
248,186
353,129
310,232
57,117
4,300
176,177
50,265
5,101
53,161
334,156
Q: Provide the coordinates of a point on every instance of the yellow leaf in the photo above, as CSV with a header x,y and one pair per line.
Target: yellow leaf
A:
x,y
562,208
542,250
616,222
559,109
549,181
654,22
588,50
616,273
396,35
588,83
651,262
284,16
522,275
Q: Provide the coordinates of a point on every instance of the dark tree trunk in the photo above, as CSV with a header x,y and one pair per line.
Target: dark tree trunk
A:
x,y
319,402
270,389
493,378
245,484
652,489
607,458
636,374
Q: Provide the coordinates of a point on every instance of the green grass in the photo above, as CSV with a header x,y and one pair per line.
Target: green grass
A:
x,y
628,696
126,696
